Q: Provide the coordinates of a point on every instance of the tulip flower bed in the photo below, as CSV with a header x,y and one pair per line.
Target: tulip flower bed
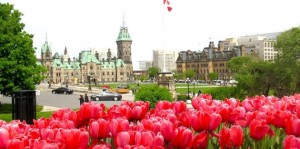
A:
x,y
257,122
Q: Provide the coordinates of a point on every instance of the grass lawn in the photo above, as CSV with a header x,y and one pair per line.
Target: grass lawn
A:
x,y
185,90
6,109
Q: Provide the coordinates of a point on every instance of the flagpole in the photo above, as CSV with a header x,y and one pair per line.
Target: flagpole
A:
x,y
163,42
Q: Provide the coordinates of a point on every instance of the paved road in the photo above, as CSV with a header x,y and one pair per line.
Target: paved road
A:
x,y
46,98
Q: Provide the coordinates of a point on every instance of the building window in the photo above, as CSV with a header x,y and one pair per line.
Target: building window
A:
x,y
91,67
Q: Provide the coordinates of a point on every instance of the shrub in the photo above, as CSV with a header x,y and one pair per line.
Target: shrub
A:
x,y
182,97
221,93
153,93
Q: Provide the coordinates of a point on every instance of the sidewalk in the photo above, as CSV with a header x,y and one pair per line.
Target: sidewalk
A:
x,y
49,108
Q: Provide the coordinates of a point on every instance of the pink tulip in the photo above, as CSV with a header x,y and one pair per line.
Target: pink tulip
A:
x,y
158,141
4,136
119,111
122,139
47,134
65,114
118,125
144,138
2,123
291,142
167,129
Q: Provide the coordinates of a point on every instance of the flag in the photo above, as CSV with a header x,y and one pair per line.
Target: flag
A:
x,y
166,2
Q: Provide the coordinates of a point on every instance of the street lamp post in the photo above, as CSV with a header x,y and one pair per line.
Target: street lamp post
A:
x,y
194,88
188,83
49,81
66,76
89,80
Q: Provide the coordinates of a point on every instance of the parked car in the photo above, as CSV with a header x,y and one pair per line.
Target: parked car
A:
x,y
63,90
106,96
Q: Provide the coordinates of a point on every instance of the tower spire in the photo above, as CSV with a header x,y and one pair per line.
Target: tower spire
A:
x,y
124,25
46,38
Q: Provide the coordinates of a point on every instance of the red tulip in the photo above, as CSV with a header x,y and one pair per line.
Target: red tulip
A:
x,y
4,136
163,105
231,138
137,113
15,144
182,138
215,121
185,118
292,127
291,142
90,110
75,138
201,140
122,139
205,121
99,129
258,129
179,107
225,112
279,118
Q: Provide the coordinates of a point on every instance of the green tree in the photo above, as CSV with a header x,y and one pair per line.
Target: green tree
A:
x,y
254,76
18,64
287,67
177,75
189,73
153,93
153,71
212,76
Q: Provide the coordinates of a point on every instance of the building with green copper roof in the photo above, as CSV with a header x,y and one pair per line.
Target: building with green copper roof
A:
x,y
89,66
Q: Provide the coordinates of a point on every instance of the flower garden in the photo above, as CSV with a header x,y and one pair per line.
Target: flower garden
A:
x,y
256,122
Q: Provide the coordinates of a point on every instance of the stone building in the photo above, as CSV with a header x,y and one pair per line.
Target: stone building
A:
x,y
89,67
167,59
210,59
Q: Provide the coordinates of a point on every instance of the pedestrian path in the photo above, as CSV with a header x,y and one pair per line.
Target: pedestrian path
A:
x,y
49,108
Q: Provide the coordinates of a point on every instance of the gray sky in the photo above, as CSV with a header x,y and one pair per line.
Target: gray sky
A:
x,y
81,25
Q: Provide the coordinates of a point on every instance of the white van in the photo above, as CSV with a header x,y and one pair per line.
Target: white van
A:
x,y
218,82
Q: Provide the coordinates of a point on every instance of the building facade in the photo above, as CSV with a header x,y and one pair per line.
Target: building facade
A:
x,y
145,65
211,59
261,46
89,66
165,59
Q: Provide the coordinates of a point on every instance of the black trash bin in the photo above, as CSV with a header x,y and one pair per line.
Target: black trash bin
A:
x,y
24,105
